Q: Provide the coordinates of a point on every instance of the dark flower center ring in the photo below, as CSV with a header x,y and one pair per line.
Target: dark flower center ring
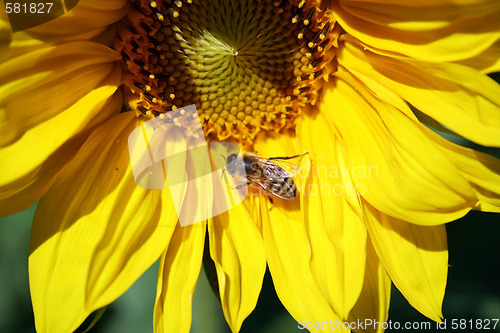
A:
x,y
247,65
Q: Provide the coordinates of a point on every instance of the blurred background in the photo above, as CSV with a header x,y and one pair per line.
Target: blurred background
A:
x,y
473,289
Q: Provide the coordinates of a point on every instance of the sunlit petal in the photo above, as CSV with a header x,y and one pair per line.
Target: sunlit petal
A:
x,y
435,31
421,279
461,98
288,251
337,236
86,20
393,163
289,254
373,303
237,250
109,233
29,165
486,62
481,170
42,84
179,270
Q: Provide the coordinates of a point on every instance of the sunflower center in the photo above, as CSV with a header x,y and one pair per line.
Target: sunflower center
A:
x,y
247,65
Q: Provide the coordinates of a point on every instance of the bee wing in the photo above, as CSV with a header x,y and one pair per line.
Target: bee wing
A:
x,y
290,169
279,180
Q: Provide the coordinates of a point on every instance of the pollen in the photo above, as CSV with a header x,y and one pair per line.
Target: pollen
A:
x,y
248,66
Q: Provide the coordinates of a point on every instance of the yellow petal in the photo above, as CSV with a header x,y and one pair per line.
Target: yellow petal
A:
x,y
179,270
30,164
486,62
288,249
393,163
481,170
86,20
336,234
39,85
373,303
288,254
20,42
460,98
237,250
95,231
11,44
433,31
415,257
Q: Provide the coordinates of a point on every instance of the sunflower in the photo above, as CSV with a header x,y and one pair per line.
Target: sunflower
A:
x,y
357,85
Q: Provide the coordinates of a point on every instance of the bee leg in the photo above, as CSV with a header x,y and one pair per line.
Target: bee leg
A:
x,y
239,187
270,200
286,157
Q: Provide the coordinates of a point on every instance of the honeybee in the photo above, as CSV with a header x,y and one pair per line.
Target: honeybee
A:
x,y
268,174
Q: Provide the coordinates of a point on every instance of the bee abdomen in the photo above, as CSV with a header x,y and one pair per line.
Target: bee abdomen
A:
x,y
288,189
